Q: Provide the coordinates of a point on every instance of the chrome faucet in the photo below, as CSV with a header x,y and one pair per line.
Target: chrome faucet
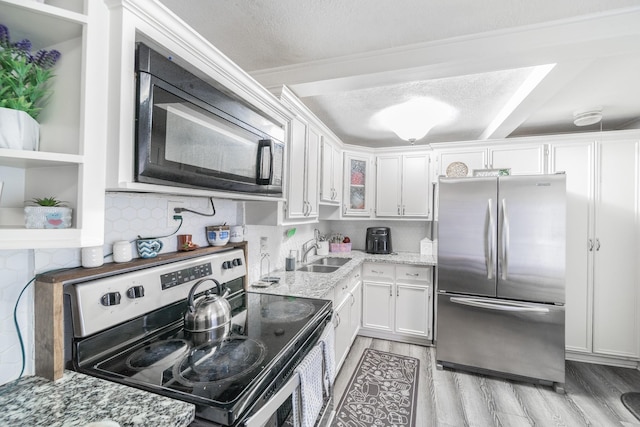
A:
x,y
306,249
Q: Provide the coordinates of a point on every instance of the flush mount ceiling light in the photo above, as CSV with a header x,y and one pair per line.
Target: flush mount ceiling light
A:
x,y
413,119
587,117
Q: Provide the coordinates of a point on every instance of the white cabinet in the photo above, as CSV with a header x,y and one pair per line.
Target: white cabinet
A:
x,y
602,241
357,184
348,302
472,157
70,162
397,302
331,176
403,185
302,188
523,158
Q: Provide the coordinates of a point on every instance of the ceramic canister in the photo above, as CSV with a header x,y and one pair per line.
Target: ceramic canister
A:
x,y
122,251
92,256
236,233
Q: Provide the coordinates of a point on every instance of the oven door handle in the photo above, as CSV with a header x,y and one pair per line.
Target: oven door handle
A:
x,y
261,417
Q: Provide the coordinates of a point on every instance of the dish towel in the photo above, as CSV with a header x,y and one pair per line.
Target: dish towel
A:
x,y
307,408
327,341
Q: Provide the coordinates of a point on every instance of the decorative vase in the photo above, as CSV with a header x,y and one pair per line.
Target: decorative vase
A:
x,y
18,130
47,217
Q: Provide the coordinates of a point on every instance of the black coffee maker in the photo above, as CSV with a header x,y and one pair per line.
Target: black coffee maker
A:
x,y
378,240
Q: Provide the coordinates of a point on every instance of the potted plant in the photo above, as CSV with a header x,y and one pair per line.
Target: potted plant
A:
x,y
23,90
47,212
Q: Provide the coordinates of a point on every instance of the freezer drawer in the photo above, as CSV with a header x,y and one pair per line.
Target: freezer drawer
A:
x,y
507,337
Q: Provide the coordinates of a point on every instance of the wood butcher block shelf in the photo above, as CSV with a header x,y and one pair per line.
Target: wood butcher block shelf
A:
x,y
49,308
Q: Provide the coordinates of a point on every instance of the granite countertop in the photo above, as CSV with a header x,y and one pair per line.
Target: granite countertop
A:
x,y
320,285
77,400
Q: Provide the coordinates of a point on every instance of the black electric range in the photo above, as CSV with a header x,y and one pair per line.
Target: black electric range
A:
x,y
228,379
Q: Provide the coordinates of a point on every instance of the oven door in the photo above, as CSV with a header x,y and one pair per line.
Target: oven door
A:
x,y
183,141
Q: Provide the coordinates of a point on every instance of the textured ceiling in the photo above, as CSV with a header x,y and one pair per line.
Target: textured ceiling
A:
x,y
346,60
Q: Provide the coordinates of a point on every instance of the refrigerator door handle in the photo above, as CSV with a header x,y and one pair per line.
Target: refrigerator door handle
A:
x,y
501,306
504,235
489,243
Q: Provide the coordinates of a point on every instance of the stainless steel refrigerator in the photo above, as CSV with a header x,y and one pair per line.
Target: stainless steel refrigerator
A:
x,y
501,276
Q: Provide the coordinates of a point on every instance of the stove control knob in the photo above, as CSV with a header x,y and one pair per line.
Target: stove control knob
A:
x,y
226,265
112,298
135,292
237,262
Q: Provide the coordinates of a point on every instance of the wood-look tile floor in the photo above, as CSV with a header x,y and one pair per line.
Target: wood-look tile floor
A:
x,y
450,398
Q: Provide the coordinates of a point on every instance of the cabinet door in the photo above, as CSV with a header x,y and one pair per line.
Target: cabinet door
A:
x,y
312,172
412,309
356,310
416,185
616,250
377,312
576,160
337,175
522,160
296,186
473,158
342,331
326,172
388,179
356,182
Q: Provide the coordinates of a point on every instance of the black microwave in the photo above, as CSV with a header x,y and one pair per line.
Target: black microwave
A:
x,y
192,133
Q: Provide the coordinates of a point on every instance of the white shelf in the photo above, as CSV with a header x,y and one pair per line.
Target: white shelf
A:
x,y
37,159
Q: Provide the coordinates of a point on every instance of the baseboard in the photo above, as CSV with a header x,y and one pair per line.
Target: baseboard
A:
x,y
601,360
394,337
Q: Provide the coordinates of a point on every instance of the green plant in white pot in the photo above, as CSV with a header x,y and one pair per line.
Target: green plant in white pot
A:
x,y
47,212
23,90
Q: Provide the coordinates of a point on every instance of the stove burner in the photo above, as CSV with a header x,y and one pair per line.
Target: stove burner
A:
x,y
286,311
152,353
220,361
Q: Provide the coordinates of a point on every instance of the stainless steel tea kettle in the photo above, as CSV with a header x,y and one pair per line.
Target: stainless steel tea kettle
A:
x,y
209,317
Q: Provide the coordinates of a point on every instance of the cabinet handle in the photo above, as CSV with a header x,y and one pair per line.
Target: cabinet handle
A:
x,y
353,298
397,292
398,209
338,319
597,244
390,291
403,210
590,245
413,274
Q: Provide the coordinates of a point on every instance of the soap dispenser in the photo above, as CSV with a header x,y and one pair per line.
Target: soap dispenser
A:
x,y
290,262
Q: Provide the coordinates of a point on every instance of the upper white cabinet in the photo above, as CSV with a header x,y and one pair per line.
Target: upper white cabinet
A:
x,y
603,226
403,185
357,184
303,161
523,158
472,158
331,175
150,22
70,162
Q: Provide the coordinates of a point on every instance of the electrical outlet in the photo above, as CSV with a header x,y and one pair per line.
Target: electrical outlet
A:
x,y
171,205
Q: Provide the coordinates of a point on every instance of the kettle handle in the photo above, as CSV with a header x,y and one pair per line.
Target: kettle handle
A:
x,y
192,292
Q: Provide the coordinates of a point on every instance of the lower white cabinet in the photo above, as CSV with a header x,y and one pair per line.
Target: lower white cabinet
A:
x,y
348,308
397,302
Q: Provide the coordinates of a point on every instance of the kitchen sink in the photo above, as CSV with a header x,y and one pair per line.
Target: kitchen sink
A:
x,y
331,261
317,268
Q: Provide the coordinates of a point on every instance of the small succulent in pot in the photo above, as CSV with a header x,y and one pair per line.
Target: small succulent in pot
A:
x,y
47,201
47,212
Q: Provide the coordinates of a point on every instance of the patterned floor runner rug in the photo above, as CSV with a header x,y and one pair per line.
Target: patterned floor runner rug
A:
x,y
382,392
